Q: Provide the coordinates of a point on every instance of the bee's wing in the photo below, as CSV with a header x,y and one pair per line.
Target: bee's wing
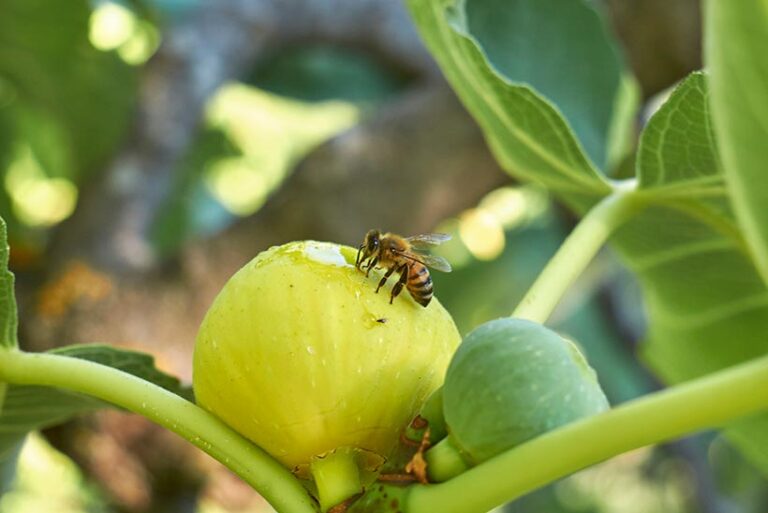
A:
x,y
428,239
435,262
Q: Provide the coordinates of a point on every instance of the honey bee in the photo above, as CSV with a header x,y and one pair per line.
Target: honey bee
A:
x,y
400,254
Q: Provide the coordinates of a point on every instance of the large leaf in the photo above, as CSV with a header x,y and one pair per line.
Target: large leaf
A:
x,y
27,408
583,78
527,133
707,307
737,33
8,314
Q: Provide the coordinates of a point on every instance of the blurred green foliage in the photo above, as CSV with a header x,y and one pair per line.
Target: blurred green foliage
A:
x,y
69,102
68,81
48,481
251,141
322,72
64,107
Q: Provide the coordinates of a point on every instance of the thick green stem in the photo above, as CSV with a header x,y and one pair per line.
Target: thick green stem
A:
x,y
705,403
444,461
253,465
337,477
576,252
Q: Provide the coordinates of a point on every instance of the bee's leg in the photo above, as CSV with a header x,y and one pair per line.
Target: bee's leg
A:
x,y
403,270
386,277
371,264
358,262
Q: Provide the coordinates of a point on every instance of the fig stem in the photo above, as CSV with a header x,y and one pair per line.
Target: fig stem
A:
x,y
705,403
432,413
337,477
577,251
444,461
252,464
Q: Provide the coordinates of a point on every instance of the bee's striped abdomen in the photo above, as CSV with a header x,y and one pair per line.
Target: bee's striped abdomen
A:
x,y
420,284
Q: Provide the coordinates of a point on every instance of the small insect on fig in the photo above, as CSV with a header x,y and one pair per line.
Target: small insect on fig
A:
x,y
401,254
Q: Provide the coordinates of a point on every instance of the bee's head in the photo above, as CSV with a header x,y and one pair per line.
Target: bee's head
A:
x,y
372,241
370,245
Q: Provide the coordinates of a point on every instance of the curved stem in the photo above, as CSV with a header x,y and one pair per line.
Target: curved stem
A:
x,y
576,252
444,461
704,403
252,464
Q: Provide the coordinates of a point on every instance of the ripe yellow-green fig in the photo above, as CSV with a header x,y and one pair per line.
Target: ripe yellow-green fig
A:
x,y
300,355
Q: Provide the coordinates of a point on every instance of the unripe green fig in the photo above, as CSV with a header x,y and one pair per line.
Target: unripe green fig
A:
x,y
510,380
300,355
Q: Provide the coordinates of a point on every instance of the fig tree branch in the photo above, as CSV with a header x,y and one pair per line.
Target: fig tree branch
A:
x,y
577,251
191,422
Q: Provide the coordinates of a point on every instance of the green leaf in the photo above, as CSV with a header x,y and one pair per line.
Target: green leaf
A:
x,y
27,408
9,321
707,307
737,33
677,146
527,133
582,77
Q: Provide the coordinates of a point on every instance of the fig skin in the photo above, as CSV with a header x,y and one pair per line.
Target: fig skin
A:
x,y
300,355
512,380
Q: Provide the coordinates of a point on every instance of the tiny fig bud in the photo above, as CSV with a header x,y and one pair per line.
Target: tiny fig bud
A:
x,y
510,380
293,355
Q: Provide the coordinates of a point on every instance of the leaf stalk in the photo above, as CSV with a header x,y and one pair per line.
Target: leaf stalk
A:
x,y
577,252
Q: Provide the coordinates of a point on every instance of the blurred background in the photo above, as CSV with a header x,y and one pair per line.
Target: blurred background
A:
x,y
149,148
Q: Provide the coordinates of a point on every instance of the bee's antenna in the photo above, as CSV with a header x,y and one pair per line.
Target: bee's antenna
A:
x,y
357,258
